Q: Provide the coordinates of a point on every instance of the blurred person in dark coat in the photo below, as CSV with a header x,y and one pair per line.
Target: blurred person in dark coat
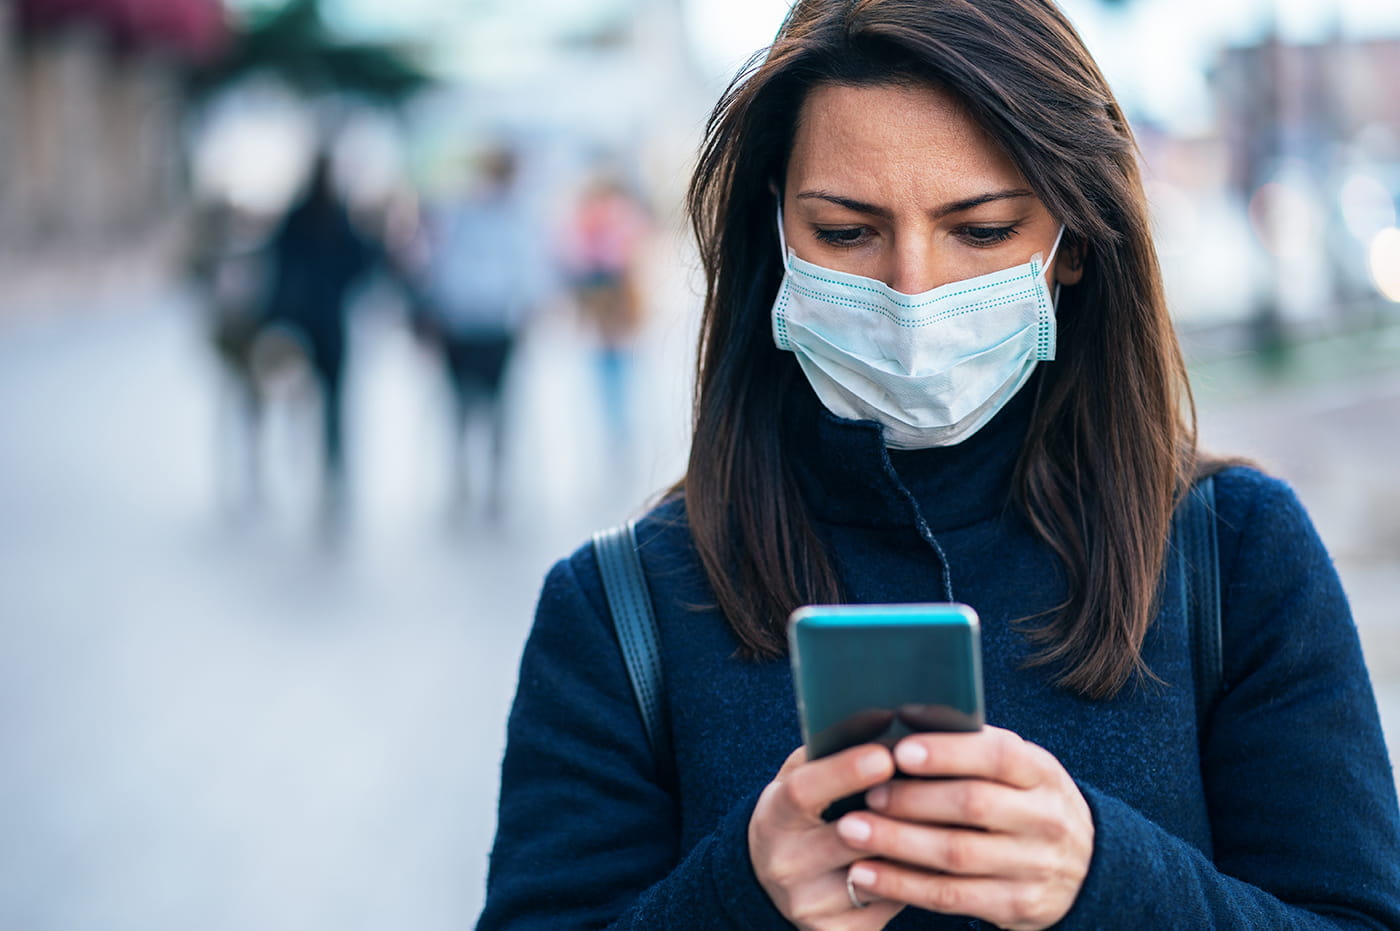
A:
x,y
318,253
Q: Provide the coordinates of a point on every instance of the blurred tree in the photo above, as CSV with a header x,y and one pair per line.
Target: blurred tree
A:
x,y
294,44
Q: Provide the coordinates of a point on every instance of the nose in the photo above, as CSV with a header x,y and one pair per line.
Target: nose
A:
x,y
915,266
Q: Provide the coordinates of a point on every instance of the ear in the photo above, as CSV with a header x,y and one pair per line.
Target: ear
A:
x,y
1069,264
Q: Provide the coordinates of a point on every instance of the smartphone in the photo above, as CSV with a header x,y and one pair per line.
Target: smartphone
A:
x,y
877,673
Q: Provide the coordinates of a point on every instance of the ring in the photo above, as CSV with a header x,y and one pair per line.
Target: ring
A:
x,y
855,899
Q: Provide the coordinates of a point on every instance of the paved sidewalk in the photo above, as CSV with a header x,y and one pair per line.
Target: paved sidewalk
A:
x,y
213,721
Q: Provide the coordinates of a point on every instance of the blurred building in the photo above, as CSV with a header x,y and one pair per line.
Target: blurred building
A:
x,y
1307,100
90,117
1276,218
1312,133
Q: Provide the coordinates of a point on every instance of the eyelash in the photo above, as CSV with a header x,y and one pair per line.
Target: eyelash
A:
x,y
988,235
975,236
841,238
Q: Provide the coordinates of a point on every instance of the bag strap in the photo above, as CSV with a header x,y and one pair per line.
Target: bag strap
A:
x,y
1197,556
629,602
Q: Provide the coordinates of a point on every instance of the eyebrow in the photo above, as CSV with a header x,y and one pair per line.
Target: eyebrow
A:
x,y
884,213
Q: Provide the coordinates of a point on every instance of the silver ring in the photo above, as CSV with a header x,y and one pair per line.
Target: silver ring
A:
x,y
851,891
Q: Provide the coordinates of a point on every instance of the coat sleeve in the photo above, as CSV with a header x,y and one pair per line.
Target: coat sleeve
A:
x,y
1299,786
586,836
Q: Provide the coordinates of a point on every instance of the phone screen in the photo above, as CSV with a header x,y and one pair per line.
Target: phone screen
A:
x,y
876,673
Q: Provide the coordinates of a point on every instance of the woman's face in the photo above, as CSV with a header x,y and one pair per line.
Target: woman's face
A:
x,y
898,183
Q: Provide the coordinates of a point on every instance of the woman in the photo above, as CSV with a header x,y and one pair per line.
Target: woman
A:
x,y
869,428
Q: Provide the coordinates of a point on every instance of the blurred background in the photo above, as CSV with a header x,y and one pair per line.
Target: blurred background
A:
x,y
327,325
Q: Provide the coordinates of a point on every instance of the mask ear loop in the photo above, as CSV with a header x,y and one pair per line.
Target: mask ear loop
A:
x,y
1055,295
782,240
1053,249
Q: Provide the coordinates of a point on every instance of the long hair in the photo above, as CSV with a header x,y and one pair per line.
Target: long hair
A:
x,y
1111,442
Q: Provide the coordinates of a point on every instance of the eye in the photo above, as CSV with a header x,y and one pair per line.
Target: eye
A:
x,y
844,236
987,235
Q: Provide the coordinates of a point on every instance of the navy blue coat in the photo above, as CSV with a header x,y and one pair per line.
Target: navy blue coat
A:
x,y
1283,815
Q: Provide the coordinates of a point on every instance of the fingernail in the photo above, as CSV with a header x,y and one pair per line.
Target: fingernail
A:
x,y
854,829
878,797
872,764
909,754
861,876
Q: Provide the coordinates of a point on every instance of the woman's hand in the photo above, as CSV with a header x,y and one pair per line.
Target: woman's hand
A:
x,y
1003,835
800,860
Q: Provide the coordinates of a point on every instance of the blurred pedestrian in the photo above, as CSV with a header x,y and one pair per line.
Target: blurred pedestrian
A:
x,y
603,244
227,269
318,253
477,284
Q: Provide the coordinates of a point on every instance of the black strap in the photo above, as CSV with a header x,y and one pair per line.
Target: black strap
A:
x,y
629,601
1197,555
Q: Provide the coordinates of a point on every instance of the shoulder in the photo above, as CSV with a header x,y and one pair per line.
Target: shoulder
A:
x,y
1241,488
675,578
1282,599
574,638
663,540
663,535
1260,518
575,584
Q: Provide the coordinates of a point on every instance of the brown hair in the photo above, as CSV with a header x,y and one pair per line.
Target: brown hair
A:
x,y
1112,437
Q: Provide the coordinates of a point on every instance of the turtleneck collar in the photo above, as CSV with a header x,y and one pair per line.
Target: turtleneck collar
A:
x,y
848,476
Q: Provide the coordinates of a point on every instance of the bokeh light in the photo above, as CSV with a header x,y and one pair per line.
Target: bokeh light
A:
x,y
1385,263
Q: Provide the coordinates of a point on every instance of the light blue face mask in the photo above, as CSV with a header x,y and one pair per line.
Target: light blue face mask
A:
x,y
930,368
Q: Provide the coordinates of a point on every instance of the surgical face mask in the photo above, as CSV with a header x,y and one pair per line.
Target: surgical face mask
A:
x,y
930,368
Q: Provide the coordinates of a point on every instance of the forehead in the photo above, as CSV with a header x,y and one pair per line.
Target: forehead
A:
x,y
894,141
